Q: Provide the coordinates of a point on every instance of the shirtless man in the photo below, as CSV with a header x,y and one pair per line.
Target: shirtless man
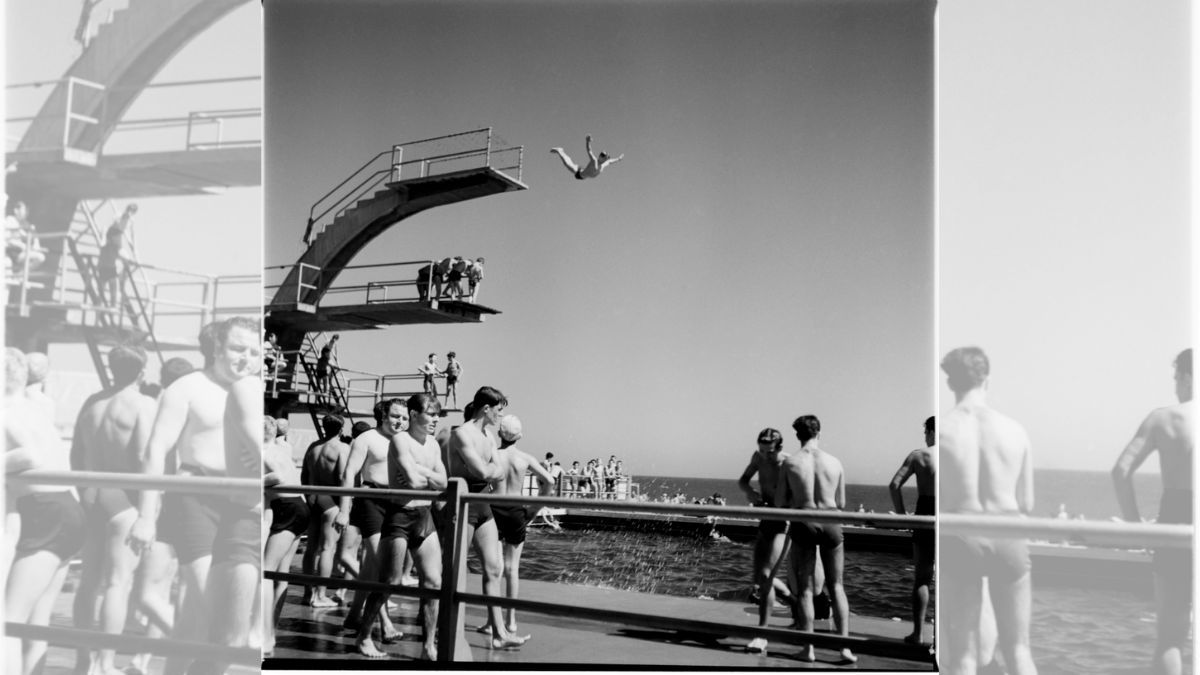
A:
x,y
921,463
472,456
512,522
1170,431
772,534
368,464
51,519
814,479
596,163
414,463
233,588
110,435
324,463
986,467
190,419
429,370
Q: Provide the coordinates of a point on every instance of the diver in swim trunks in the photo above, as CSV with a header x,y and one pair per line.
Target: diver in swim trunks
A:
x,y
414,463
921,463
512,521
191,419
986,467
1170,432
814,479
110,435
472,456
324,462
769,541
367,466
596,163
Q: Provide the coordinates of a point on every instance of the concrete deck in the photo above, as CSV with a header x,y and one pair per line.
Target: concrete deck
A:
x,y
306,635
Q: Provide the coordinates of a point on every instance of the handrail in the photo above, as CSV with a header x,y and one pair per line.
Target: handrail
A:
x,y
182,484
453,593
369,162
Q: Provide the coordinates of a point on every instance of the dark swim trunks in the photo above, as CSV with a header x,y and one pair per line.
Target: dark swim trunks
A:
x,y
412,524
111,501
50,521
289,514
324,503
1004,560
828,535
187,521
578,174
771,528
512,522
1174,565
239,536
926,506
368,514
478,513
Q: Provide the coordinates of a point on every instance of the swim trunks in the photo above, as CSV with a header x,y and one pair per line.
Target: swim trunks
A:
x,y
478,513
578,174
1004,560
367,514
926,506
828,535
289,514
771,528
1174,565
512,522
412,524
324,503
50,521
111,501
239,536
189,522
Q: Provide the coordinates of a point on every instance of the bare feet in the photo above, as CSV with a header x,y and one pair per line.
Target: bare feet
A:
x,y
485,628
914,639
368,649
807,655
321,602
509,643
848,656
428,653
757,646
391,638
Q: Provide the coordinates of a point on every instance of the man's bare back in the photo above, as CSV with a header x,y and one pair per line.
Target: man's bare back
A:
x,y
986,462
105,430
815,480
322,460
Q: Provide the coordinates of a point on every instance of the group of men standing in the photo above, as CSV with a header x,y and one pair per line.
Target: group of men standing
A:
x,y
445,277
204,424
406,450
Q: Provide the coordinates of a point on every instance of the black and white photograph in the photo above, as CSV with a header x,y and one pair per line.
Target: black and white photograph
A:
x,y
133,200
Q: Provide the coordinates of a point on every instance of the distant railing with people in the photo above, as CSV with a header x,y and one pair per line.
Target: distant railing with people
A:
x,y
441,155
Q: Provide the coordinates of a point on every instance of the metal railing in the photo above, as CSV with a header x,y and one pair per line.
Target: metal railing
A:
x,y
452,594
415,159
358,288
78,88
96,639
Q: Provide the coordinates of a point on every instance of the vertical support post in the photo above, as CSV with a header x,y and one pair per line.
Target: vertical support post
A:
x,y
67,114
191,120
452,641
220,127
520,162
488,155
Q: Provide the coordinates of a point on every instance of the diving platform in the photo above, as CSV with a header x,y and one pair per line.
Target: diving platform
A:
x,y
375,316
138,175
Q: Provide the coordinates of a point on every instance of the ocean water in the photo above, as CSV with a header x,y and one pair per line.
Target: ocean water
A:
x,y
1074,630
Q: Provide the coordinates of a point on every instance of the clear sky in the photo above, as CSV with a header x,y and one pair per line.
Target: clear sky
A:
x,y
1064,211
213,234
765,250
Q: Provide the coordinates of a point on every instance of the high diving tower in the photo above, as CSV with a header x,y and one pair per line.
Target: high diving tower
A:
x,y
395,184
60,170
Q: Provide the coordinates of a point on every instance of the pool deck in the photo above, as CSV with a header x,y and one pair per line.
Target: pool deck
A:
x,y
314,639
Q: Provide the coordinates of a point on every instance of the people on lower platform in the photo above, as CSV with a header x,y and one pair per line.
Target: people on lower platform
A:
x,y
21,244
452,372
429,371
921,463
107,272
